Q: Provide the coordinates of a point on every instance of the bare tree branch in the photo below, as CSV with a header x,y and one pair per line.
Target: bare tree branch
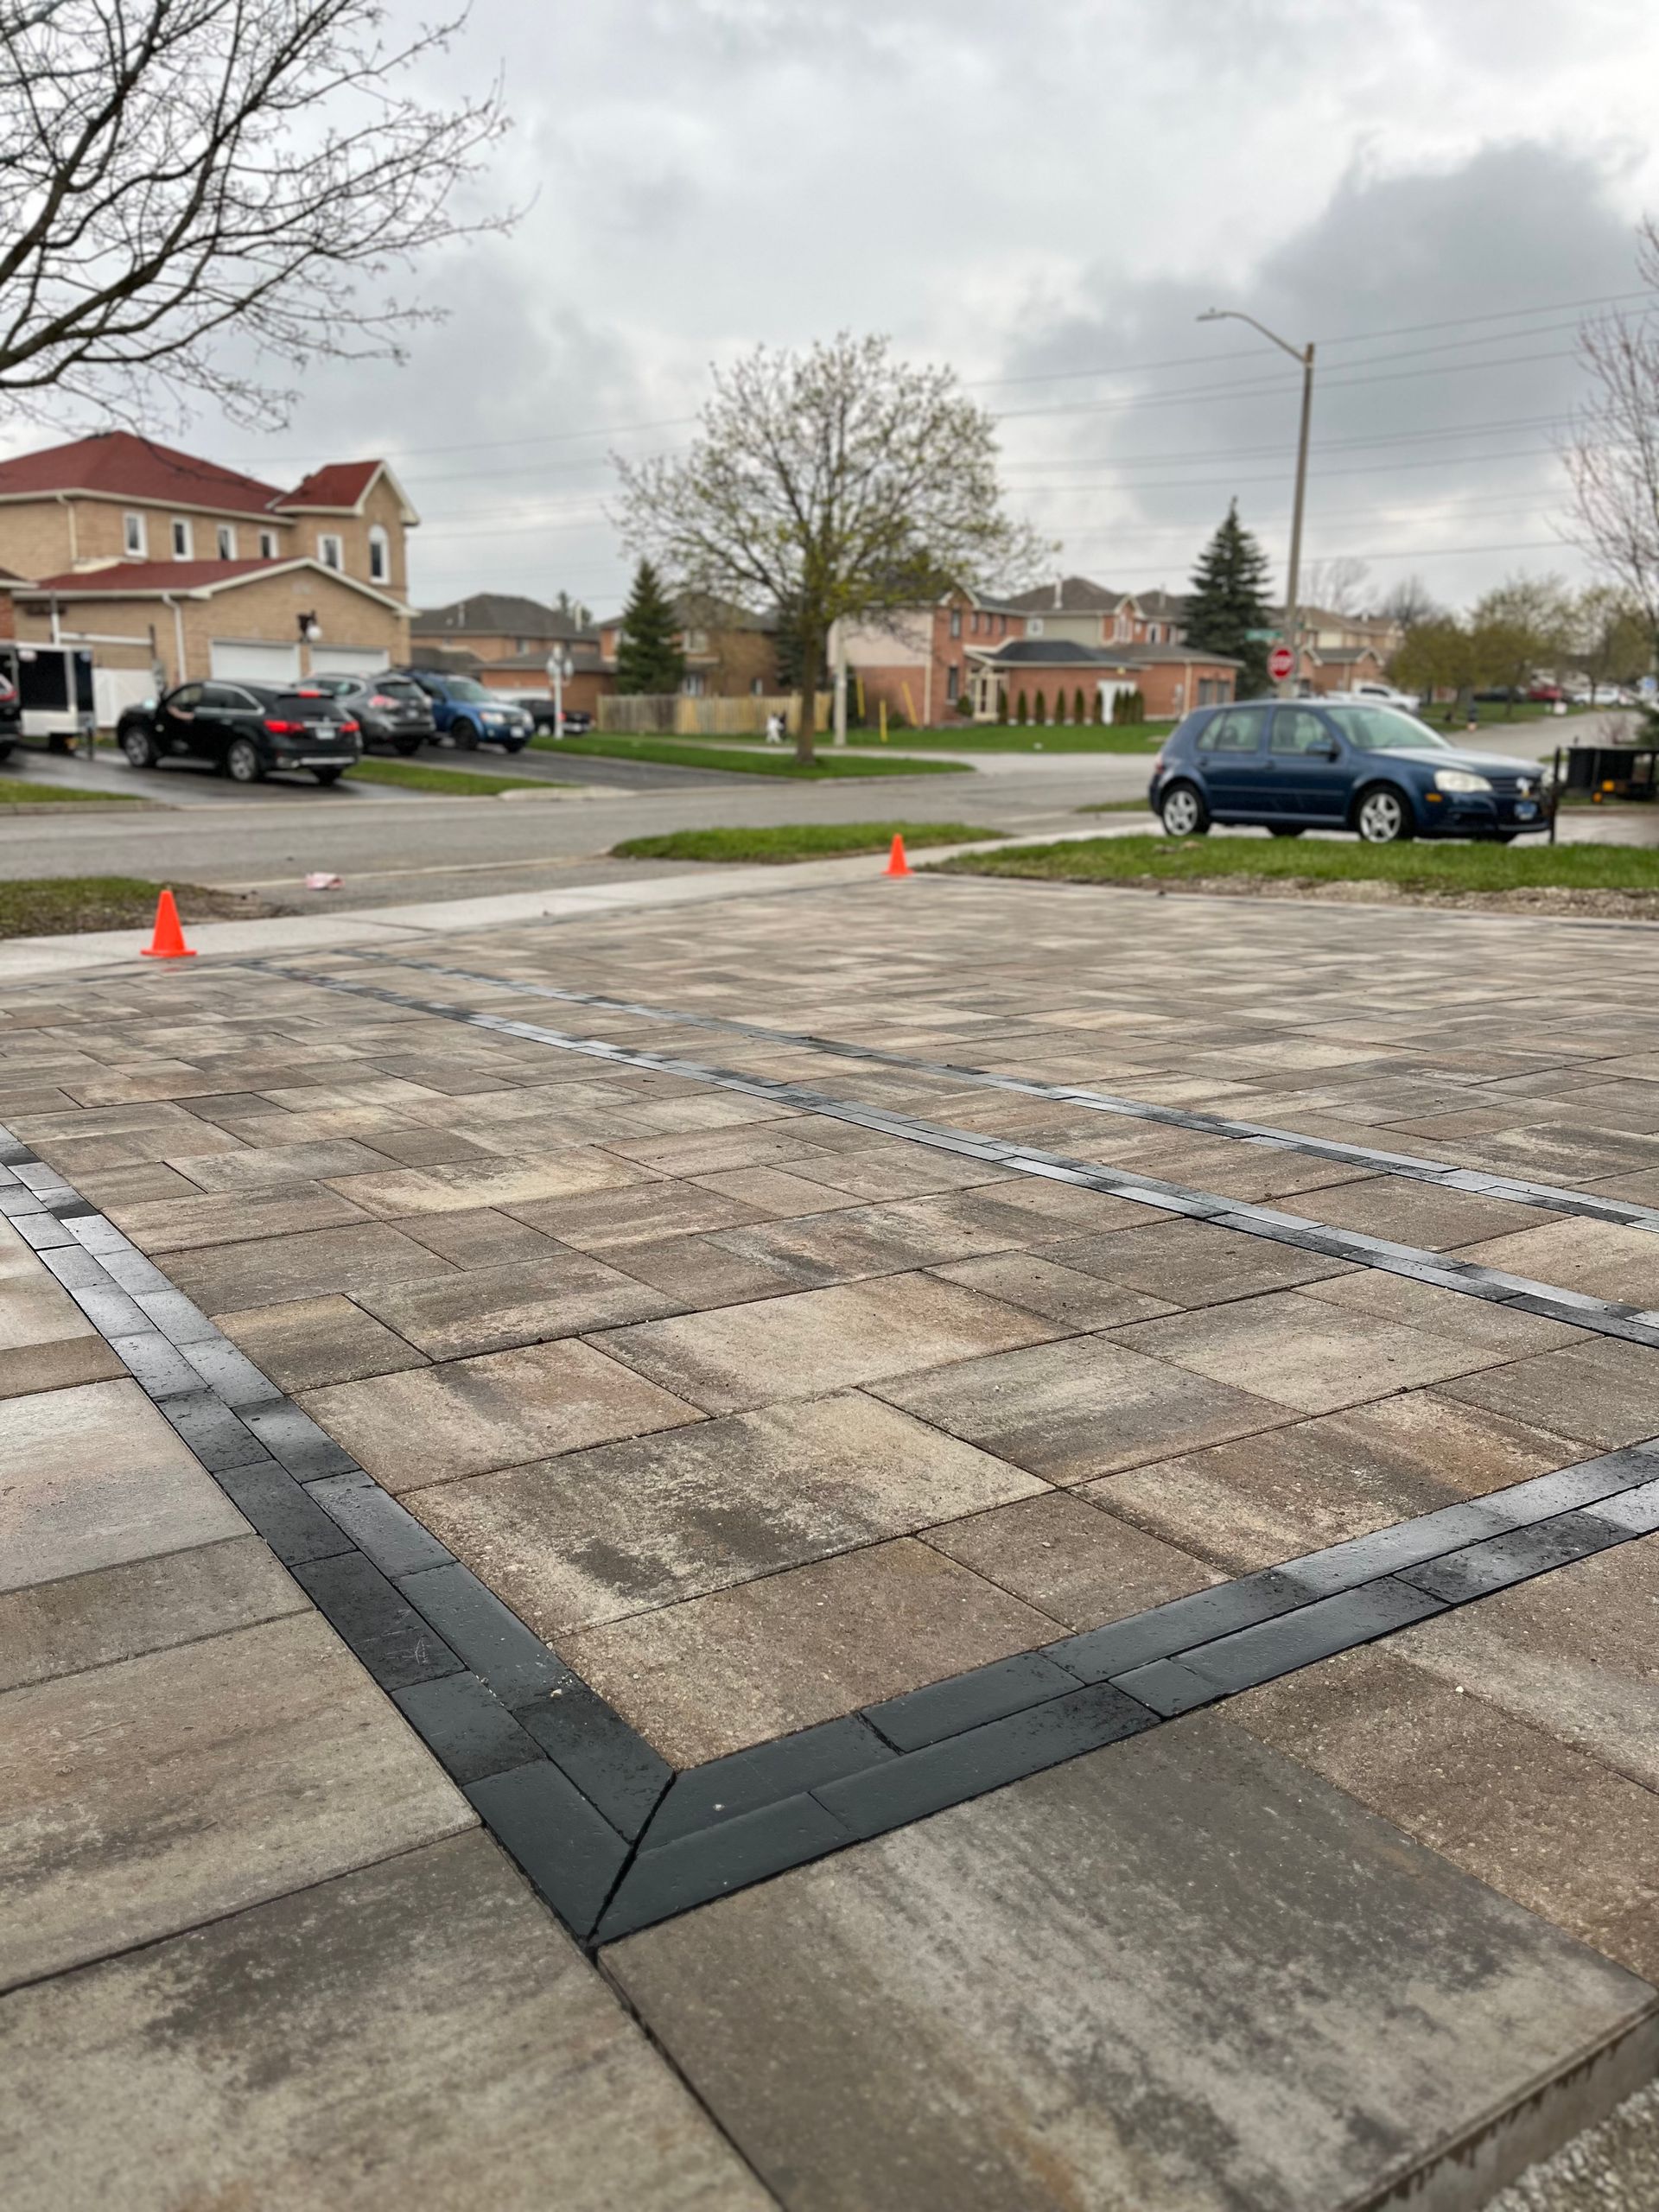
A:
x,y
836,484
1613,461
180,169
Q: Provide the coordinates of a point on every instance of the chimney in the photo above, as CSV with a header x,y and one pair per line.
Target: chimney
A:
x,y
1059,593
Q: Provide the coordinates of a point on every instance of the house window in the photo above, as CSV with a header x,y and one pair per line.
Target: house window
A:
x,y
226,541
956,621
180,538
267,545
1034,627
380,564
132,535
952,688
330,551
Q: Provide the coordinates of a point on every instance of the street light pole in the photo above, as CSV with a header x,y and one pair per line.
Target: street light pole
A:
x,y
559,666
1294,577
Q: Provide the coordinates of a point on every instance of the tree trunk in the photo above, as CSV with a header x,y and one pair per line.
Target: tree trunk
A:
x,y
811,653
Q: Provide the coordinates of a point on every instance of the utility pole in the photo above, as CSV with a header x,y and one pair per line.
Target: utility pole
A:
x,y
838,649
559,666
1293,576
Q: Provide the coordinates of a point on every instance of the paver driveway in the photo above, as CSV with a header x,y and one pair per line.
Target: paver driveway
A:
x,y
770,1388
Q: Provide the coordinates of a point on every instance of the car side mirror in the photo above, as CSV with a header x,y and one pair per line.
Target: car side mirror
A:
x,y
1330,750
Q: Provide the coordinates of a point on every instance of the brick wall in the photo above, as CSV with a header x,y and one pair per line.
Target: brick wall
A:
x,y
267,609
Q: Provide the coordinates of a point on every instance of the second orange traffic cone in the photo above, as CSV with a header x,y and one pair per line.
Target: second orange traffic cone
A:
x,y
168,943
897,864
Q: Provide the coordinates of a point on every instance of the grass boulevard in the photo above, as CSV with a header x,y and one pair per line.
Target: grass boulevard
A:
x,y
796,841
732,756
1419,869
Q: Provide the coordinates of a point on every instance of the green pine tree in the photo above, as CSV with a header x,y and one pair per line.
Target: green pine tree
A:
x,y
1229,598
1042,708
1022,713
1076,706
648,655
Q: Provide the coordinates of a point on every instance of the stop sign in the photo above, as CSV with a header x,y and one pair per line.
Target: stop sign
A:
x,y
1280,661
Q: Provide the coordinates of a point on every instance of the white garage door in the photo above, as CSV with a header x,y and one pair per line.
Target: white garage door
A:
x,y
348,660
255,663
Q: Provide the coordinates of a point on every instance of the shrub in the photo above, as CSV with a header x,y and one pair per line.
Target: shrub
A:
x,y
1042,708
1020,712
1128,706
1077,715
965,707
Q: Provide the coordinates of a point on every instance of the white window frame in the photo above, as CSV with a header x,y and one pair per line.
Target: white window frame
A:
x,y
224,538
1034,627
183,538
336,559
135,542
268,548
380,556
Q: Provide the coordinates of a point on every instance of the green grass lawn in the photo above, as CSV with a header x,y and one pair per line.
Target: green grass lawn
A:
x,y
796,841
453,783
735,758
1417,867
17,790
54,906
1019,737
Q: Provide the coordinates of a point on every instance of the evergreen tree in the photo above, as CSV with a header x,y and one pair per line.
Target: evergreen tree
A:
x,y
1076,706
1022,713
1229,597
648,655
1042,708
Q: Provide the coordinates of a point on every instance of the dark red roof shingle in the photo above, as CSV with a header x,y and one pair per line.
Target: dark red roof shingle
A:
x,y
126,467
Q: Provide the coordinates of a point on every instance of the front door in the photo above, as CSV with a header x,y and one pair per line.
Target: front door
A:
x,y
1238,771
1314,778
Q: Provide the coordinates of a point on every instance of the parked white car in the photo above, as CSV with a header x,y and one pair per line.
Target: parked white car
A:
x,y
1376,694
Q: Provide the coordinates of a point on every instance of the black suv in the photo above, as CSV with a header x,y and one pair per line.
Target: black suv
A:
x,y
245,729
388,711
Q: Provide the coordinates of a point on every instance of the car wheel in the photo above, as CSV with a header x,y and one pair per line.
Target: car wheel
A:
x,y
407,748
327,776
139,746
1183,812
466,735
242,761
1285,830
1382,815
6,749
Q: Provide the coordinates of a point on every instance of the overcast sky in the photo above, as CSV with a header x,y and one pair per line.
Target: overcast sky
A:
x,y
1043,195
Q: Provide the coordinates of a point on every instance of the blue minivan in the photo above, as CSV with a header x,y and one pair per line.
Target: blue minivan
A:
x,y
1288,765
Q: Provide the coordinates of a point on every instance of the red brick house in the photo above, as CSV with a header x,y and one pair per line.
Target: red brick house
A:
x,y
1171,679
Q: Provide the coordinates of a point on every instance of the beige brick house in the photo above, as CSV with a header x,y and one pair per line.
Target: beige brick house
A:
x,y
166,564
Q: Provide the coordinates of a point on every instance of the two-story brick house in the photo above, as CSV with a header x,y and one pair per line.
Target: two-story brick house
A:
x,y
169,564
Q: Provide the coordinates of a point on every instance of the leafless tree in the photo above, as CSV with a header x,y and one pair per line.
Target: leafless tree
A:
x,y
1613,461
837,484
201,195
1336,583
1411,604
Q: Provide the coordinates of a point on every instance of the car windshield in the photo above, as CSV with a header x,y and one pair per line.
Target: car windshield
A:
x,y
333,687
397,687
1384,729
462,687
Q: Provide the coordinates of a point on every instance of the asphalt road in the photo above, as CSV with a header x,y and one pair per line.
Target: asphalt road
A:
x,y
391,847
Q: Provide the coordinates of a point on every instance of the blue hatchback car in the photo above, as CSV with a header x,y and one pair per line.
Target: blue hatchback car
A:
x,y
1296,765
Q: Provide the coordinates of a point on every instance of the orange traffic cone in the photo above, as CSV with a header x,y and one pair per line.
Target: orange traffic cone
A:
x,y
168,944
897,864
